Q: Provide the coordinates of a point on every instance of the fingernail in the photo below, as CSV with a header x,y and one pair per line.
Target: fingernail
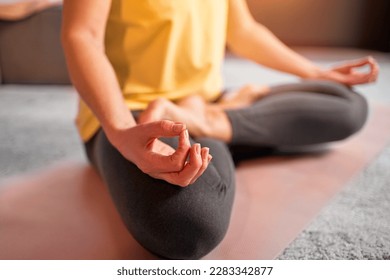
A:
x,y
210,157
197,148
186,132
204,152
178,127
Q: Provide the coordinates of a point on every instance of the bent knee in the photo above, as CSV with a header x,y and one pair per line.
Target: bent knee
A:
x,y
355,117
190,239
201,239
188,225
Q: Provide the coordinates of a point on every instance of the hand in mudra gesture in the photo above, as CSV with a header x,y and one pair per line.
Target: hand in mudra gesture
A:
x,y
140,145
348,73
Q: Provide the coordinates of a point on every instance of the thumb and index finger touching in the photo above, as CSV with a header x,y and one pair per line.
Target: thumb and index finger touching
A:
x,y
366,61
176,161
350,76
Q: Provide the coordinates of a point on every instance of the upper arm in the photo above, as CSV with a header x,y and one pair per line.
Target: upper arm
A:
x,y
85,19
240,22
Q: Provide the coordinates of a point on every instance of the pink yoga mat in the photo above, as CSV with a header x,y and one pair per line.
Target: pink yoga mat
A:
x,y
65,212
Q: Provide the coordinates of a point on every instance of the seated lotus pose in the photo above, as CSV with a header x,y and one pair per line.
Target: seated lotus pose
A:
x,y
157,127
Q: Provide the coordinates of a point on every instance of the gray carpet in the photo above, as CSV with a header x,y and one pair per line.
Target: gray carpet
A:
x,y
36,129
355,225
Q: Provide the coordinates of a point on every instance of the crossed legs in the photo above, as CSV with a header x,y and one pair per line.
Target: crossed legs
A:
x,y
304,113
187,223
170,221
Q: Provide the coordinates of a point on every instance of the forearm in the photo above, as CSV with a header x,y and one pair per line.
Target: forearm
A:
x,y
258,44
83,29
95,81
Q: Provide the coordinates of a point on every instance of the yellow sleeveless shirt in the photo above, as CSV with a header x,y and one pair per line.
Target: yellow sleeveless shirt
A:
x,y
162,48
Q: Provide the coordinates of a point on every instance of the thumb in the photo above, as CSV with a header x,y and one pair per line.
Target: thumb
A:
x,y
162,128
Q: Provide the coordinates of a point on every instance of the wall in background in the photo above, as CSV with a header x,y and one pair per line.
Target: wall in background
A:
x,y
338,23
31,51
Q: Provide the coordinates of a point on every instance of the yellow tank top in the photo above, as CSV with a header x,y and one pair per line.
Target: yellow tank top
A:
x,y
163,48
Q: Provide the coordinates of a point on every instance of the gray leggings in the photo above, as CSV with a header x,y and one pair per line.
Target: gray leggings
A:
x,y
187,223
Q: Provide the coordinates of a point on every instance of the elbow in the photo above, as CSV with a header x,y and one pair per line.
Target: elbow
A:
x,y
232,42
236,49
238,46
240,40
73,39
69,40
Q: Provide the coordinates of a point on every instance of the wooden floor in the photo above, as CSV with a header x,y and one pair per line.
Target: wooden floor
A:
x,y
64,211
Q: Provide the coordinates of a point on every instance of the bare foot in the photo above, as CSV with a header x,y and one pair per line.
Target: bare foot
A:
x,y
243,97
189,111
194,103
155,111
201,119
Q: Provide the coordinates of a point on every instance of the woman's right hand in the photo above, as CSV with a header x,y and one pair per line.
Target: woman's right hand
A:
x,y
140,145
93,76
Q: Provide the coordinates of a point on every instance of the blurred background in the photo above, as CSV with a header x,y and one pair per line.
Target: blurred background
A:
x,y
38,104
328,23
30,50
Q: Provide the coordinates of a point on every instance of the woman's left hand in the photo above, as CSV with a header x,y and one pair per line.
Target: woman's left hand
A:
x,y
349,75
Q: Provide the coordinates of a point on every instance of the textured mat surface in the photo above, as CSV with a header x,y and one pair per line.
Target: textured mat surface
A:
x,y
278,196
65,212
355,224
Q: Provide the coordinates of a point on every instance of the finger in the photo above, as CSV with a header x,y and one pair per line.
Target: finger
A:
x,y
206,157
353,78
162,128
374,69
347,66
175,179
185,176
194,165
357,79
359,63
181,153
184,143
173,162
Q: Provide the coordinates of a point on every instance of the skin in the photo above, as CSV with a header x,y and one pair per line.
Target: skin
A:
x,y
94,78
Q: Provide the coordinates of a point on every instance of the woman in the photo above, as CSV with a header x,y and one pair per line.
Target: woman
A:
x,y
125,56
